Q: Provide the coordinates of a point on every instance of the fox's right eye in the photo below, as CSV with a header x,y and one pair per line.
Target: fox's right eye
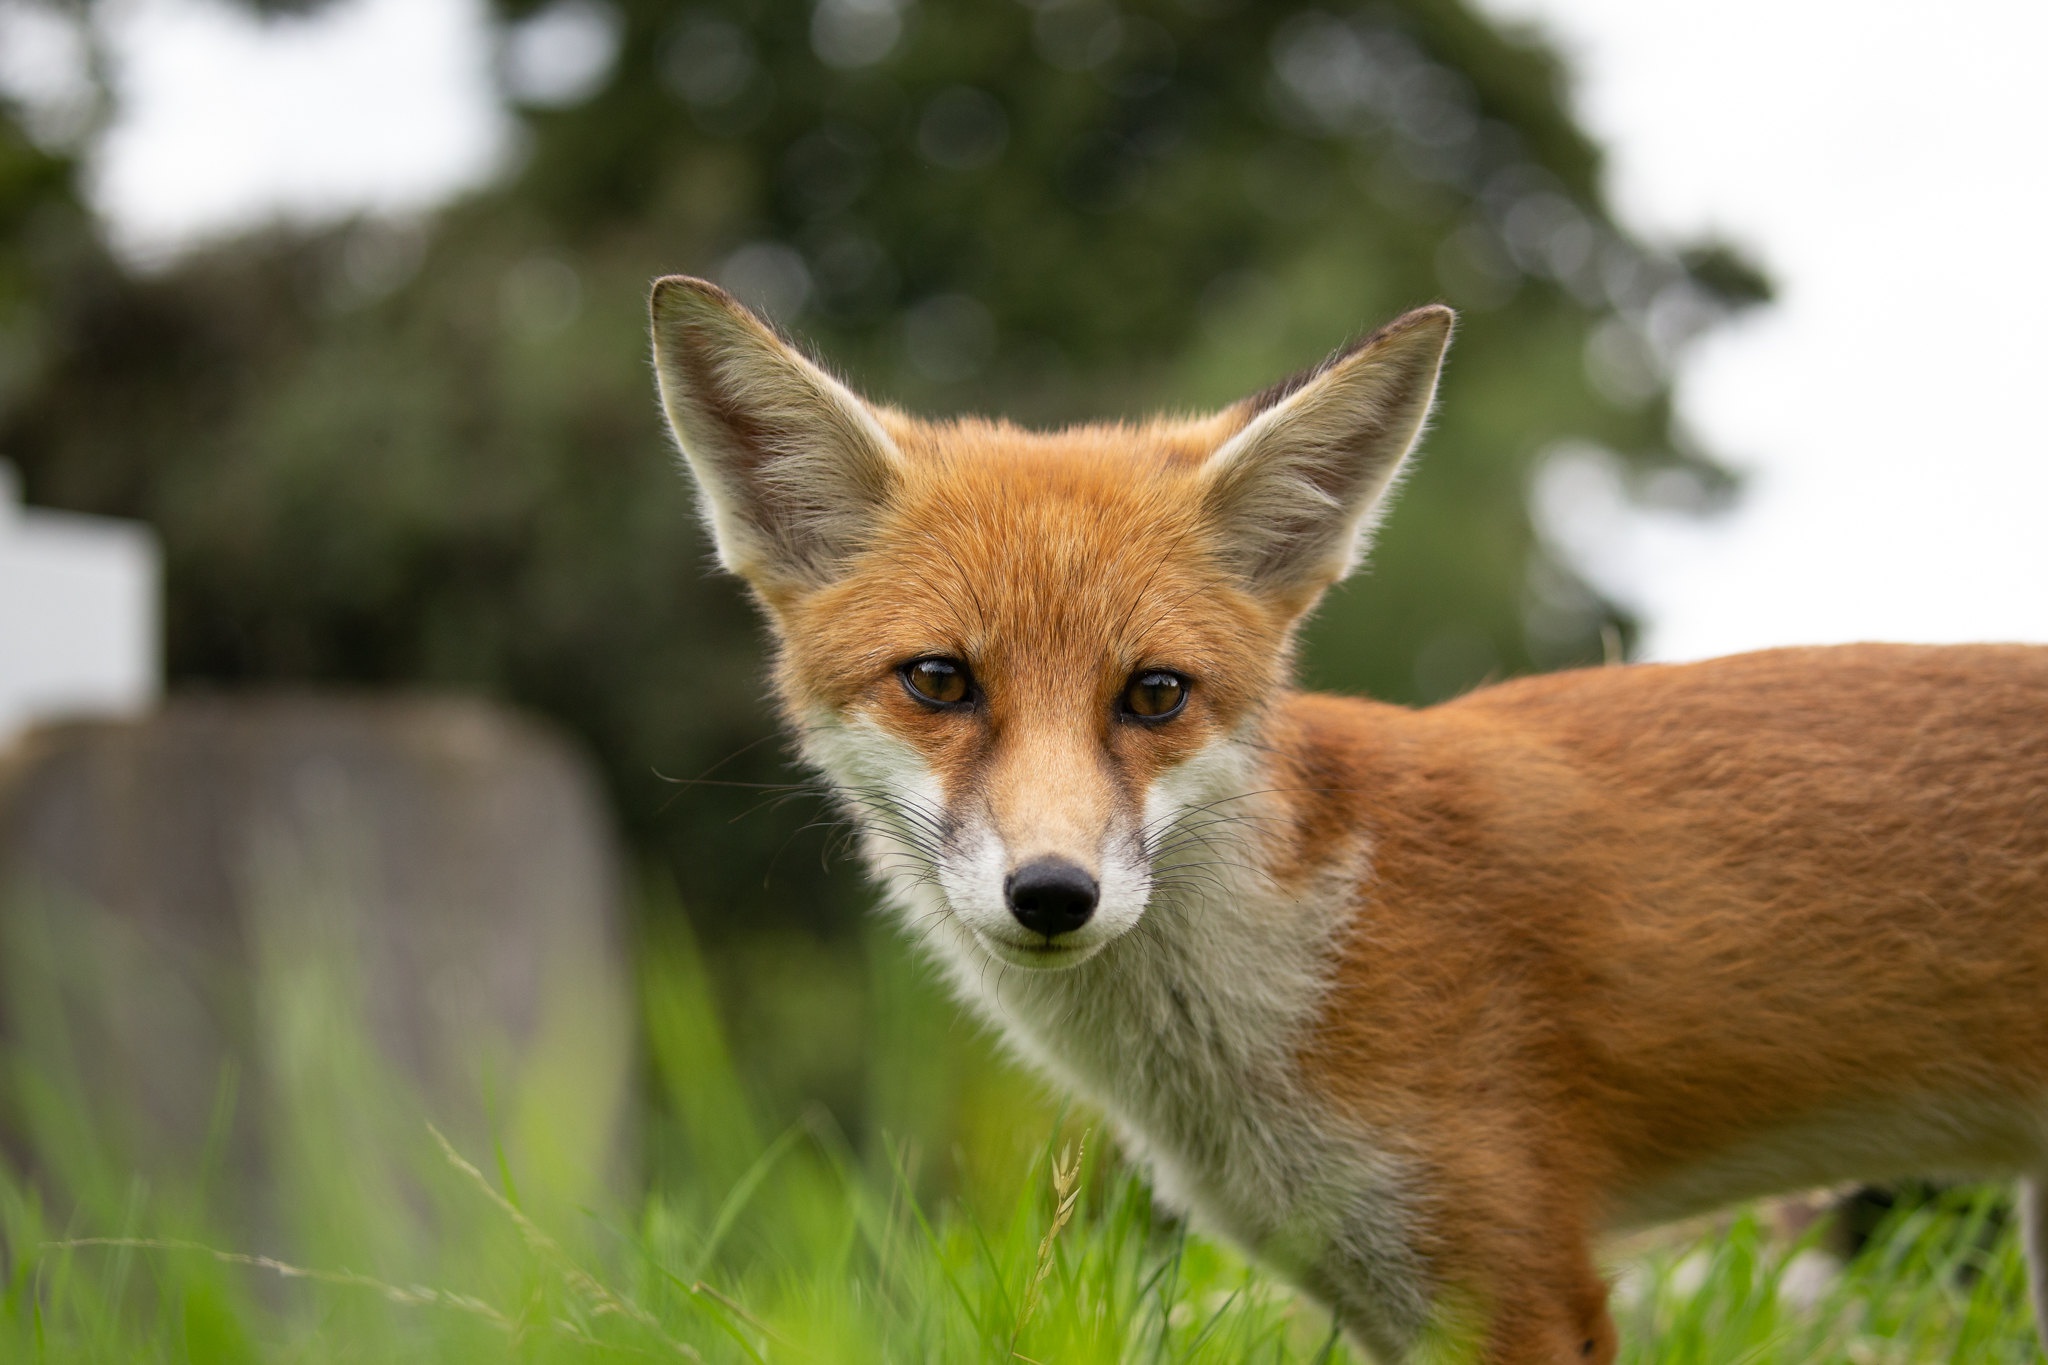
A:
x,y
938,682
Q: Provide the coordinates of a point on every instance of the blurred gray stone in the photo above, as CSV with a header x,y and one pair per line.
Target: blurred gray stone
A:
x,y
295,929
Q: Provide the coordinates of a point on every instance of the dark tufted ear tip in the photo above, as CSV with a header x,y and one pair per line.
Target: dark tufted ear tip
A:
x,y
675,295
1432,319
1415,326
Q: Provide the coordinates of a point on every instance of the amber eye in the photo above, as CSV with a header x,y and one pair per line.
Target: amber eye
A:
x,y
1155,695
938,682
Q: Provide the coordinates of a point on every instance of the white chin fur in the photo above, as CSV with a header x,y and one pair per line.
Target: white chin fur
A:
x,y
1041,956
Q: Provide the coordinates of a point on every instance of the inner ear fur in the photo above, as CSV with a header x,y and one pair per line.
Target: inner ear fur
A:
x,y
1295,494
793,469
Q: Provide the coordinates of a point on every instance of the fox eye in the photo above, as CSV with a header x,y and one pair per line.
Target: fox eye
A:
x,y
942,683
1155,695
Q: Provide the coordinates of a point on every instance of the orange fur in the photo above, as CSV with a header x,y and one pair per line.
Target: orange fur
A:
x,y
1623,920
1563,955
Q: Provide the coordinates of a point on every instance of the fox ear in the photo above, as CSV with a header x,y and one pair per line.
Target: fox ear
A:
x,y
794,470
1296,492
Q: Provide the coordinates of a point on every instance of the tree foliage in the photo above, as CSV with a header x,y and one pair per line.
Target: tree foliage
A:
x,y
427,454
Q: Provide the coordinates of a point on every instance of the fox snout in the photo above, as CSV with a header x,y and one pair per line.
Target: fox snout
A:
x,y
1051,896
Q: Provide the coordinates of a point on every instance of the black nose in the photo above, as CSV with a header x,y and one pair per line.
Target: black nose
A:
x,y
1050,896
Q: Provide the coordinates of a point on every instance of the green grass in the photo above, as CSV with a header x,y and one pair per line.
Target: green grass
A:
x,y
750,1242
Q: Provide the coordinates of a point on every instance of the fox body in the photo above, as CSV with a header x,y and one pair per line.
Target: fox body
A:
x,y
1415,1005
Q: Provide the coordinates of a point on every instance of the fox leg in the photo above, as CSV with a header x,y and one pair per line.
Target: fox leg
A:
x,y
2034,1229
1549,1308
1568,1325
1526,1272
1522,1329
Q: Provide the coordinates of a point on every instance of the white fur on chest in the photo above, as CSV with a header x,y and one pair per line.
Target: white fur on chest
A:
x,y
1183,1032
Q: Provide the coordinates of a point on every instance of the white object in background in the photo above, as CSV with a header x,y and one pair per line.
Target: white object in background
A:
x,y
79,614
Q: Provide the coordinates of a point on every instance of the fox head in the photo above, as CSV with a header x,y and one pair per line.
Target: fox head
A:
x,y
1031,662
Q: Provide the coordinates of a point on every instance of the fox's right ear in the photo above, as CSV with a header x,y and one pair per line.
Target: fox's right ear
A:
x,y
794,469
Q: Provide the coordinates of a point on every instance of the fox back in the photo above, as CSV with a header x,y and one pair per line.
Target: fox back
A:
x,y
1413,1004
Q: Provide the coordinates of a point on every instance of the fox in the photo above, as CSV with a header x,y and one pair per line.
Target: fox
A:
x,y
1417,1006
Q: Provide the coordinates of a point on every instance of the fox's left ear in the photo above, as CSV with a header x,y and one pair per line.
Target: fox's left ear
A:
x,y
793,469
1294,495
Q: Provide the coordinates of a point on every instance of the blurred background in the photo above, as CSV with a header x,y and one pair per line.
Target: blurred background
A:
x,y
338,521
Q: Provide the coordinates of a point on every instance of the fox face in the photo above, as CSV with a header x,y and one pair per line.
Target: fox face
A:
x,y
1009,703
1032,664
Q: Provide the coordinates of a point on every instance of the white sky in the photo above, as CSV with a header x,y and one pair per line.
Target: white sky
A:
x,y
1888,162
386,105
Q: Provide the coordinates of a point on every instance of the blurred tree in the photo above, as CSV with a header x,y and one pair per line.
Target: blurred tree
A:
x,y
428,453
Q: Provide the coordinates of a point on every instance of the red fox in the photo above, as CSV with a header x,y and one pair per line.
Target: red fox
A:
x,y
1413,1004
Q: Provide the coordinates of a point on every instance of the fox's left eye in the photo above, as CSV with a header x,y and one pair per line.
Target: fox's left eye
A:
x,y
1155,695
